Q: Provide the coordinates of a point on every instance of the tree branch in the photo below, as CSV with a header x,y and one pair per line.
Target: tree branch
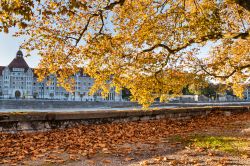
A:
x,y
83,31
81,34
157,46
242,35
70,37
112,5
244,3
190,42
224,76
219,35
100,31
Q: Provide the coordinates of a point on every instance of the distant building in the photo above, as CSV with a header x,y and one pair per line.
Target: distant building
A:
x,y
247,93
17,80
247,90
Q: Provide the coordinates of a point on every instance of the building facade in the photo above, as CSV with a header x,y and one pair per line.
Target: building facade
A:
x,y
247,93
17,80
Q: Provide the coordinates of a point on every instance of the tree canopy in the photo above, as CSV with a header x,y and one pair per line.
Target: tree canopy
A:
x,y
150,47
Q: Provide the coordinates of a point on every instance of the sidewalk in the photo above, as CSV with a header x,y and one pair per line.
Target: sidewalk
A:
x,y
110,108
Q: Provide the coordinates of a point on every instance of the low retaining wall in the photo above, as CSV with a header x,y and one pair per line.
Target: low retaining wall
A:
x,y
43,121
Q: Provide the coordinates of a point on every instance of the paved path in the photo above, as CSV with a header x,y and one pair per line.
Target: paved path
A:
x,y
156,106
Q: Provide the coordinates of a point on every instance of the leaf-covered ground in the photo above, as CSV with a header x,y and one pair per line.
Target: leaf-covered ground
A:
x,y
212,140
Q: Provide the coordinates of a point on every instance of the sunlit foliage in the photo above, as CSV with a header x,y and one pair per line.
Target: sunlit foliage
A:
x,y
147,46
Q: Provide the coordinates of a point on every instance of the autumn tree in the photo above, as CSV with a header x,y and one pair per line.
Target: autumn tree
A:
x,y
150,47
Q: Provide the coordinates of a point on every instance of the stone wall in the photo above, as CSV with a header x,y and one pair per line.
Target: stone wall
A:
x,y
43,121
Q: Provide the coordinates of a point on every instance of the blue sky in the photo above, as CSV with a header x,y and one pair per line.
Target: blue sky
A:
x,y
9,45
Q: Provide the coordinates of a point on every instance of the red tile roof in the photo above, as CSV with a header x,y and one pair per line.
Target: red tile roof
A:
x,y
18,62
1,70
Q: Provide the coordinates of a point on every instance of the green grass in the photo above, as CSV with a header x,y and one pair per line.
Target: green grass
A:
x,y
226,144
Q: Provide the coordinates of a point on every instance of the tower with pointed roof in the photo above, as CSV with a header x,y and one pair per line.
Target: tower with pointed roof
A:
x,y
17,78
18,62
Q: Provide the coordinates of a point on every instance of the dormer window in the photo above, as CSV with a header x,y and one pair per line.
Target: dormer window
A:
x,y
18,69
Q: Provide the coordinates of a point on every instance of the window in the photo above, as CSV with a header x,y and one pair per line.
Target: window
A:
x,y
18,69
